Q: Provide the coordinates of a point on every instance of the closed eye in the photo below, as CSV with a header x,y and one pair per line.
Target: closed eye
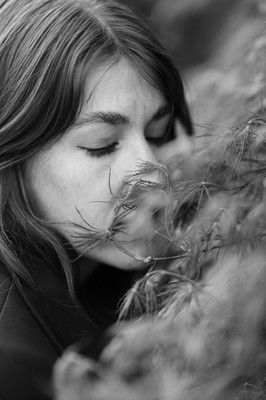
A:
x,y
160,132
100,151
157,141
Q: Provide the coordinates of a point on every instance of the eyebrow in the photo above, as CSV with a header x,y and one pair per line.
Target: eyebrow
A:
x,y
110,118
117,119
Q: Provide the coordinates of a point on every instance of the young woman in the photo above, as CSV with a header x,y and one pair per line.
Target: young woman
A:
x,y
86,95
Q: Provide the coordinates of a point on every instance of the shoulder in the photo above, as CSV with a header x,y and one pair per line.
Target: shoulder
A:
x,y
18,326
26,358
24,374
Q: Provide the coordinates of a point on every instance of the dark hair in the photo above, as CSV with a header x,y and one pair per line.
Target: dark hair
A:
x,y
46,50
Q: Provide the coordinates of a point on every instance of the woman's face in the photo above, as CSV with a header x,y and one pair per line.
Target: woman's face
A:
x,y
74,180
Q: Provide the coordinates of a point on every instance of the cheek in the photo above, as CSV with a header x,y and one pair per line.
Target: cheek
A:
x,y
60,185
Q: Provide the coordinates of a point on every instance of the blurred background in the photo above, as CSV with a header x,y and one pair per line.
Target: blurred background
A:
x,y
208,40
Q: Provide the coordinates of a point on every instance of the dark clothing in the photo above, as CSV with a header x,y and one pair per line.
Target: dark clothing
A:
x,y
38,321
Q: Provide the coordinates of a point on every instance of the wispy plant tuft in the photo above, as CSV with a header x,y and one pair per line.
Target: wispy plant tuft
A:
x,y
193,327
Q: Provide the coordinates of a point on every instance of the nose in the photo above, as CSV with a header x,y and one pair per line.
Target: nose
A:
x,y
142,161
144,185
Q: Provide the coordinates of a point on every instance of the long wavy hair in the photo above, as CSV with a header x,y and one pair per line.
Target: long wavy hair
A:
x,y
46,50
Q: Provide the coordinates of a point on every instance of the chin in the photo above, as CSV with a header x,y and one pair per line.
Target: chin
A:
x,y
114,257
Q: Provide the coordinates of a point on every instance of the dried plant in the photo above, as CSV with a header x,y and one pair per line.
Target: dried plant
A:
x,y
194,326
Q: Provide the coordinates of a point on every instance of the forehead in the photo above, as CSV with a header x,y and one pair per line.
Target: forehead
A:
x,y
119,86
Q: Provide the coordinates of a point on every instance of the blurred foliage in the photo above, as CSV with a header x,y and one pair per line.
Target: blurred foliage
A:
x,y
208,41
197,31
212,44
200,322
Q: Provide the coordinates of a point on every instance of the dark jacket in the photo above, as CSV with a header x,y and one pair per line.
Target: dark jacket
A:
x,y
38,321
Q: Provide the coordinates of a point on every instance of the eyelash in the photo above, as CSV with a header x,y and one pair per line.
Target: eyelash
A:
x,y
157,141
162,139
103,151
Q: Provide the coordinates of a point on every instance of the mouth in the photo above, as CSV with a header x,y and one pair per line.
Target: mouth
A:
x,y
138,224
